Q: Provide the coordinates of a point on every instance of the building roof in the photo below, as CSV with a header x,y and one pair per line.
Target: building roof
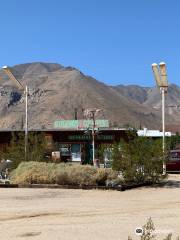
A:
x,y
152,133
62,130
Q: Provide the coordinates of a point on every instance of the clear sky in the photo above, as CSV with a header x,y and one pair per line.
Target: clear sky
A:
x,y
115,41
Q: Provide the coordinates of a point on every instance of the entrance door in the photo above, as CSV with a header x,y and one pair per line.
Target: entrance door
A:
x,y
76,152
88,153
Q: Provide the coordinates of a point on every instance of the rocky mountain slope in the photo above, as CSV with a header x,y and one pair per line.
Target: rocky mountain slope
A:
x,y
55,92
150,97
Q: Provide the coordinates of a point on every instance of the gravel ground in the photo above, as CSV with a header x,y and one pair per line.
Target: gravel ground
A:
x,y
88,214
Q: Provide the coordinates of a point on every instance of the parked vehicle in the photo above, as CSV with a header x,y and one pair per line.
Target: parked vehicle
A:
x,y
173,164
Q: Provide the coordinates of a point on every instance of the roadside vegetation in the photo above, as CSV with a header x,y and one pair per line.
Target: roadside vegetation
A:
x,y
15,151
61,173
139,160
149,232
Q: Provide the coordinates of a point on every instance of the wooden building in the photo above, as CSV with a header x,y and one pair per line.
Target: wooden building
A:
x,y
71,145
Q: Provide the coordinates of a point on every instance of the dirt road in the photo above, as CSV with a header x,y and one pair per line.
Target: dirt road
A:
x,y
87,214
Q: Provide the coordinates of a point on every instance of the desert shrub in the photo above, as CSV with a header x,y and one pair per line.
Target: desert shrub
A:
x,y
149,232
62,177
62,174
102,175
82,175
34,172
139,160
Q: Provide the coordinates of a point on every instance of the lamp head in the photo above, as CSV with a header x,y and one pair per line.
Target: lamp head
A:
x,y
163,72
156,74
160,74
5,67
162,63
154,65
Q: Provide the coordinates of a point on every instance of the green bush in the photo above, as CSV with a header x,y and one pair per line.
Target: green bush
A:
x,y
62,174
16,150
139,160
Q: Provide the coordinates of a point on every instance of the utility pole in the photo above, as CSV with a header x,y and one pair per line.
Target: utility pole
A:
x,y
8,72
26,124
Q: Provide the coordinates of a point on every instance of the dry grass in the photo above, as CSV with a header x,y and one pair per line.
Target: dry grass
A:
x,y
62,174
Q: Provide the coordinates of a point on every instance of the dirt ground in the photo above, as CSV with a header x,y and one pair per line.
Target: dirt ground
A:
x,y
88,214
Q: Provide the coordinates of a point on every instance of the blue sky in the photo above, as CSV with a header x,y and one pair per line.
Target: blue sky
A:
x,y
115,41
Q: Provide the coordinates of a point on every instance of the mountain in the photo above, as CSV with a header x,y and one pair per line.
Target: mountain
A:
x,y
55,92
151,97
134,92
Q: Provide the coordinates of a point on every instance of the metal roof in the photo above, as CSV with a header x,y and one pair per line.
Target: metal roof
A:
x,y
152,133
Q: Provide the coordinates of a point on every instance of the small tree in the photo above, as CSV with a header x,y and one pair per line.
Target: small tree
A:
x,y
148,231
139,160
100,152
16,150
37,147
173,141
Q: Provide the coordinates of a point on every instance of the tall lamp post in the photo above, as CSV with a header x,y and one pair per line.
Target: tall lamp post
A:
x,y
160,75
90,113
8,72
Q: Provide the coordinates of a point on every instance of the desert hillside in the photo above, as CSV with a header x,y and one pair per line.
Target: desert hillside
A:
x,y
55,92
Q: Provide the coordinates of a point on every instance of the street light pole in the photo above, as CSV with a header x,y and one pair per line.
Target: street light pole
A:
x,y
93,145
26,123
163,128
160,76
91,114
93,136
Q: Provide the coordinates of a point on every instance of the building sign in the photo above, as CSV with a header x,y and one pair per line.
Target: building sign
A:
x,y
80,124
89,137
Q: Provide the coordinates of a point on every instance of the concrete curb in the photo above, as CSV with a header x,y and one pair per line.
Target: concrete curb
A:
x,y
7,185
90,187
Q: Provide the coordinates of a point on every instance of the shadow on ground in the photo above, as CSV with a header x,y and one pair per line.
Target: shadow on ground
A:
x,y
173,181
